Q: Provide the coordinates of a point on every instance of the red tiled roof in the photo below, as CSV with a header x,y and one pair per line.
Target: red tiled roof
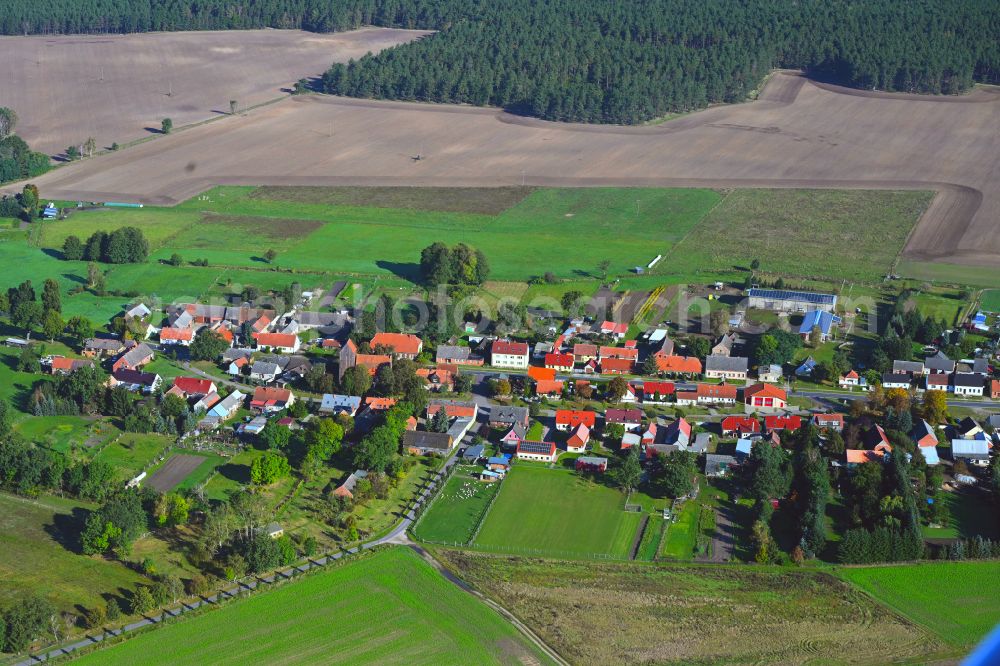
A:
x,y
453,410
372,361
827,420
508,347
580,436
619,352
559,360
574,417
275,340
616,365
548,386
673,363
269,394
584,349
541,374
62,363
663,388
379,404
767,390
742,424
193,385
775,422
613,328
181,334
399,343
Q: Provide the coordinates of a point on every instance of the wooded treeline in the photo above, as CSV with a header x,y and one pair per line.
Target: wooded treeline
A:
x,y
613,61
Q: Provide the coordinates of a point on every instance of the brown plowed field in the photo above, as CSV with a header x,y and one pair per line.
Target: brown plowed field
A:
x,y
113,87
799,134
172,472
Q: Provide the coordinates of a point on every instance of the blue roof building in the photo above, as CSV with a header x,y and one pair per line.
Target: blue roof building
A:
x,y
818,318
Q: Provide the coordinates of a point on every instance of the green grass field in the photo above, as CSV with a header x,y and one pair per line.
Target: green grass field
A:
x,y
958,601
972,514
457,509
990,300
679,542
37,554
66,433
391,607
641,613
558,512
802,232
131,452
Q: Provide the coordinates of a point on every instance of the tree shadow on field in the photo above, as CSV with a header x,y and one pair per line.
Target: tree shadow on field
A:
x,y
407,271
74,278
65,529
153,130
234,472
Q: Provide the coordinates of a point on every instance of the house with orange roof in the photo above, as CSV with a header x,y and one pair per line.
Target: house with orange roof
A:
x,y
549,387
176,336
855,457
677,365
764,398
617,366
829,422
283,342
577,441
269,399
401,345
541,374
349,358
453,408
559,362
60,365
193,387
441,378
568,419
584,351
377,404
628,353
716,394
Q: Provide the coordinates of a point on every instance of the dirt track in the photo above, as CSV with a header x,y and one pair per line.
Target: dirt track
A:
x,y
799,134
112,87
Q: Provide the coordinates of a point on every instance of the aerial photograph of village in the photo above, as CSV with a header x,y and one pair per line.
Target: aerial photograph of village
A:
x,y
521,332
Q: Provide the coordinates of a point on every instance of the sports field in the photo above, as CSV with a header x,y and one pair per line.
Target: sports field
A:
x,y
391,607
958,601
457,509
640,613
38,553
558,513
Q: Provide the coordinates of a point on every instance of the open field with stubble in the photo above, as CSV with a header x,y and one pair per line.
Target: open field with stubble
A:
x,y
113,87
608,613
798,134
391,607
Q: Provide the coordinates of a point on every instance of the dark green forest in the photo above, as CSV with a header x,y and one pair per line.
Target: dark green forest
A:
x,y
612,61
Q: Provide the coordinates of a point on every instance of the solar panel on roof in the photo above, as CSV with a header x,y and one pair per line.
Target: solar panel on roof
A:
x,y
784,295
535,447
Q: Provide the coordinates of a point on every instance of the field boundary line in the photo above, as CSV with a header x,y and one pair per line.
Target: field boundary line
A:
x,y
485,513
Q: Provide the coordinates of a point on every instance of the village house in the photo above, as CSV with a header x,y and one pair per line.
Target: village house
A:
x,y
677,365
614,330
102,347
206,402
136,357
192,387
739,425
504,416
61,365
540,374
833,422
135,380
578,439
939,363
548,388
264,372
686,398
346,489
228,406
538,451
879,453
717,465
967,385
716,394
400,345
657,391
726,367
764,398
724,347
567,419
822,320
334,404
769,373
937,381
507,354
616,366
777,423
972,451
994,389
515,433
422,442
624,353
891,380
453,408
287,343
349,358
176,336
852,380
455,355
631,419
559,362
969,428
269,399
440,378
584,352
913,368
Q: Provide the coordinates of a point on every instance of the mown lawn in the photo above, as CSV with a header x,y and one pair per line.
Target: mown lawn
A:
x,y
803,232
682,533
558,513
38,543
641,613
971,514
457,509
131,452
391,607
958,601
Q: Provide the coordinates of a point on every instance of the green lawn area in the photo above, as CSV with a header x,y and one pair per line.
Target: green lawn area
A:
x,y
391,607
457,509
559,513
990,300
971,513
642,613
131,452
979,276
798,232
37,544
66,433
682,533
957,601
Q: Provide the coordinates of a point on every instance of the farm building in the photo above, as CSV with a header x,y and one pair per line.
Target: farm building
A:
x,y
102,347
724,347
617,366
228,406
420,442
539,451
400,345
498,464
764,398
821,319
677,365
908,367
453,408
782,300
346,489
473,453
135,380
591,464
973,451
458,355
61,365
134,358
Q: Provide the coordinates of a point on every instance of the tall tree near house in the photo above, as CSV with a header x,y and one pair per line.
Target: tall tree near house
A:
x,y
629,474
815,337
617,388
